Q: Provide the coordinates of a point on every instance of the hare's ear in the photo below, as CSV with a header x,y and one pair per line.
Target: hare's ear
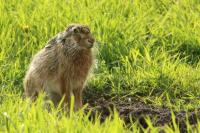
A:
x,y
70,27
54,41
85,30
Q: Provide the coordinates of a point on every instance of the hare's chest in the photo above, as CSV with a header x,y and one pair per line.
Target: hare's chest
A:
x,y
79,72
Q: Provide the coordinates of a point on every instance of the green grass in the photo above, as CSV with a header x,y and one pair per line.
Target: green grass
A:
x,y
18,115
149,49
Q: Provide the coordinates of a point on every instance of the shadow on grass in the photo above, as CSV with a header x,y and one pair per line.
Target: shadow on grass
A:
x,y
137,111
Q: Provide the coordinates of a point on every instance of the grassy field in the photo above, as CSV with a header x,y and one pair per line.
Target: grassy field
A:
x,y
149,49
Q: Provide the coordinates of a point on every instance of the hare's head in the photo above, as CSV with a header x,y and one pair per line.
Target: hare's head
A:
x,y
81,35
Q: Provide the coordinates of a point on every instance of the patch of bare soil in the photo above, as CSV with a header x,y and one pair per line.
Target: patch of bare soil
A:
x,y
138,111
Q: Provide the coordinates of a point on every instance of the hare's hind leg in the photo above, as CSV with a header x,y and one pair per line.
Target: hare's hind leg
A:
x,y
53,94
32,87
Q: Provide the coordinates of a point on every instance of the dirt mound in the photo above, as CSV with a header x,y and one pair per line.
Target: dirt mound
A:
x,y
138,111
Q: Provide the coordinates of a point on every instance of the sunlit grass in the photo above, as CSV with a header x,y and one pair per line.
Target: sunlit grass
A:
x,y
147,48
19,115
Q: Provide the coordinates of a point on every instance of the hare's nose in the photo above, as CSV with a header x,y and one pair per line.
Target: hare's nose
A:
x,y
91,40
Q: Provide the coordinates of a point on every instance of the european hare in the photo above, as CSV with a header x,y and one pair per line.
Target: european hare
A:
x,y
61,68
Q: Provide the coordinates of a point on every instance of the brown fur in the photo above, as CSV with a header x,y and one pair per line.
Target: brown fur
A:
x,y
61,68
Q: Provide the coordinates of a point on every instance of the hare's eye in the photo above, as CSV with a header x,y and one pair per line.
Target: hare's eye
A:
x,y
76,30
